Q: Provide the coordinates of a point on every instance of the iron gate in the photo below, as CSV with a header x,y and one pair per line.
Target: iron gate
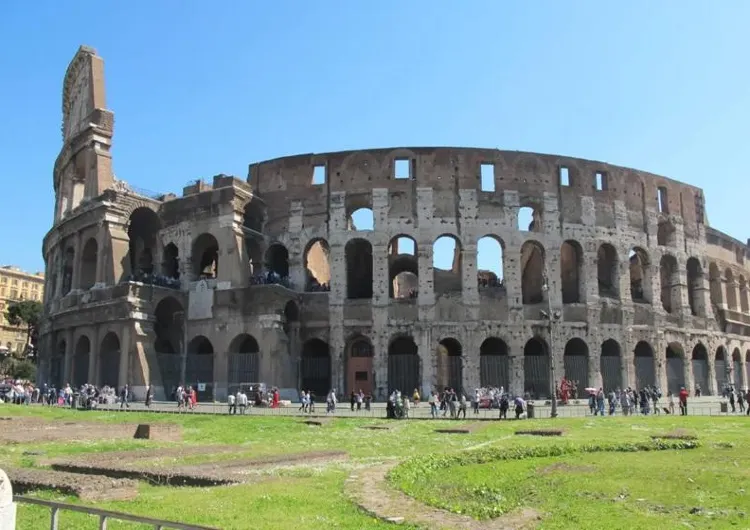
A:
x,y
199,373
169,366
737,375
536,376
81,370
56,371
645,374
494,371
242,368
700,374
675,374
577,369
454,372
721,375
109,368
403,373
315,376
611,367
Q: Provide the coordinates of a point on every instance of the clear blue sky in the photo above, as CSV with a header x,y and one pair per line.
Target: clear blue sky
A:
x,y
200,88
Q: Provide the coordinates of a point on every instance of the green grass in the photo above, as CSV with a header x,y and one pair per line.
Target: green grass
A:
x,y
599,490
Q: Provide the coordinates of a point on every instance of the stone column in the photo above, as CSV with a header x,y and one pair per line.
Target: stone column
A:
x,y
94,357
76,283
124,370
470,292
711,362
516,372
595,368
7,506
101,256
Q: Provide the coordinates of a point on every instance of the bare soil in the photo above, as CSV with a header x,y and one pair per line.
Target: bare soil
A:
x,y
141,457
463,429
89,488
369,489
565,468
677,434
25,430
541,432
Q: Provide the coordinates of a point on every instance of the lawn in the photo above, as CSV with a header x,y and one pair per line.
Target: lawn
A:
x,y
702,487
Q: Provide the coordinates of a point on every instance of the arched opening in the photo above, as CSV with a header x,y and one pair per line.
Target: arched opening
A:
x,y
450,365
530,219
670,283
199,370
607,271
254,256
169,322
571,271
252,218
494,364
532,272
68,265
645,370
700,368
403,365
721,369
640,278
143,230
358,269
170,266
695,287
446,265
731,290
89,258
361,220
56,364
244,362
675,368
743,294
359,369
291,315
315,368
536,381
737,369
403,270
81,362
317,266
714,278
277,263
490,264
610,364
576,364
109,361
206,256
665,234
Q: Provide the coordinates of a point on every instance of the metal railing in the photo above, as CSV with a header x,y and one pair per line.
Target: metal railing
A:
x,y
103,515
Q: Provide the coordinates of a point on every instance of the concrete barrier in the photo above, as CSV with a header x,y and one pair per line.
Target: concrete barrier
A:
x,y
7,506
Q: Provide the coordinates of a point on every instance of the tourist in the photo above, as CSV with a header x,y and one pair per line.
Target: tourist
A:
x,y
125,397
683,401
731,400
520,406
149,396
331,402
242,400
741,401
671,403
352,400
504,406
599,402
303,402
475,401
416,397
360,399
232,402
432,400
461,406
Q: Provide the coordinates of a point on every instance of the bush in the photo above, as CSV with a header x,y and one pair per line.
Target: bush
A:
x,y
18,369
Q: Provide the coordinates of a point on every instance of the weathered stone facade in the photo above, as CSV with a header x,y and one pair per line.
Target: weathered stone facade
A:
x,y
618,280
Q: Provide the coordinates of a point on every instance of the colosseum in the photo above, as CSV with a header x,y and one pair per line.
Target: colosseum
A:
x,y
319,271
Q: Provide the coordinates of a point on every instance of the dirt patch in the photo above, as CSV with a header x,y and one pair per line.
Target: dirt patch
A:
x,y
369,490
27,430
141,457
565,468
462,429
377,427
84,487
540,432
677,434
313,423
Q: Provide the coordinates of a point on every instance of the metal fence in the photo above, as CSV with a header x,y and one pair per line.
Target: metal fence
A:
x,y
536,375
494,371
611,367
199,373
700,373
403,372
645,374
243,367
577,369
315,375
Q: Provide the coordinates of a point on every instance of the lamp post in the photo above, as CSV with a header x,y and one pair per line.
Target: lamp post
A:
x,y
182,317
552,376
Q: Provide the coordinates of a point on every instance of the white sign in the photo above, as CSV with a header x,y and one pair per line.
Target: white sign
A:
x,y
201,387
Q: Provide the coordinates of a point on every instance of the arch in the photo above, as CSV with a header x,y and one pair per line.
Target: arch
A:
x,y
670,283
737,369
666,234
252,217
199,368
109,360
695,287
317,266
743,294
607,265
714,278
359,366
675,368
205,256
403,267
81,362
731,290
530,218
315,368
358,253
536,377
571,271
699,362
403,365
447,264
170,266
576,363
532,272
57,364
494,364
89,259
361,220
450,364
490,262
640,276
721,369
168,322
143,229
200,345
277,262
244,362
68,265
645,369
291,311
610,365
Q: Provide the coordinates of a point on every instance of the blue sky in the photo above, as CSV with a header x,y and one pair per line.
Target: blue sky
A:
x,y
200,88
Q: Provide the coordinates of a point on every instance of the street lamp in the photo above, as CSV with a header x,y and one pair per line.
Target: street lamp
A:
x,y
552,376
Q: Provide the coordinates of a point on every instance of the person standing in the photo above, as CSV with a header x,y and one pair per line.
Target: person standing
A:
x,y
683,401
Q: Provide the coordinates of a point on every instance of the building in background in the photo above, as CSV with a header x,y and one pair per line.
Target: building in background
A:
x,y
16,285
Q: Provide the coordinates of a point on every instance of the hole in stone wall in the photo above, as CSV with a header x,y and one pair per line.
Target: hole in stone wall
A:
x,y
639,278
600,181
529,219
487,176
317,266
564,176
402,168
662,199
446,264
358,269
361,220
319,175
403,270
490,263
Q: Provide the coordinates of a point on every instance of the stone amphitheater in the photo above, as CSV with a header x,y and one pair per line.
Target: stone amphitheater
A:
x,y
359,269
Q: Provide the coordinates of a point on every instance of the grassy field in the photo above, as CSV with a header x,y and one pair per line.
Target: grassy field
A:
x,y
697,488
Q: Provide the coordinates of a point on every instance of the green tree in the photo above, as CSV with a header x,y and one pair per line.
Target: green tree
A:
x,y
26,313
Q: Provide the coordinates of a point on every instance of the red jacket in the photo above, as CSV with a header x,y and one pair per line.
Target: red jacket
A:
x,y
683,395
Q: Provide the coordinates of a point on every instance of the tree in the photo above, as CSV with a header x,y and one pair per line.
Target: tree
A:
x,y
26,313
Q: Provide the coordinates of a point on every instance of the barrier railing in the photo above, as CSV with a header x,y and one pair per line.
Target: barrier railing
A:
x,y
104,515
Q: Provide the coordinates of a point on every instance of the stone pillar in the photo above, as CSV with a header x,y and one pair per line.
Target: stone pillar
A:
x,y
69,349
101,256
595,368
512,275
94,357
516,373
7,506
660,365
687,366
712,389
124,370
427,358
76,283
469,288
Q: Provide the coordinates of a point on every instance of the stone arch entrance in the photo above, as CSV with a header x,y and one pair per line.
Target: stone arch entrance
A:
x,y
315,369
81,362
494,364
450,364
643,360
403,365
700,368
359,366
610,364
199,367
244,362
675,368
721,369
576,363
536,381
109,361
